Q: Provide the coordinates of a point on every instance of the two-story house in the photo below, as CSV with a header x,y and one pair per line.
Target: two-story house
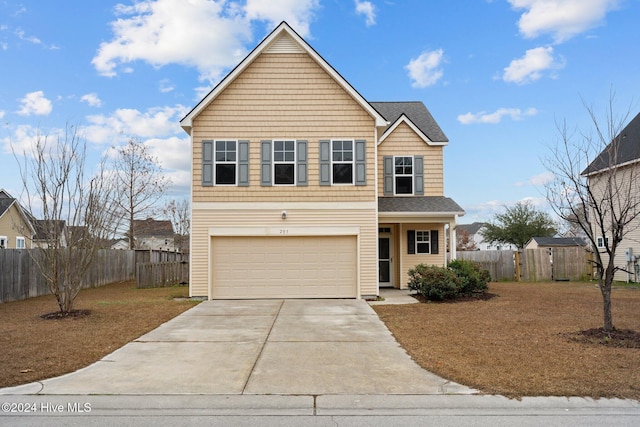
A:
x,y
16,228
613,176
304,189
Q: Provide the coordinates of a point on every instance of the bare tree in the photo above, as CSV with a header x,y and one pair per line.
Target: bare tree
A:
x,y
595,193
179,213
58,185
139,183
464,241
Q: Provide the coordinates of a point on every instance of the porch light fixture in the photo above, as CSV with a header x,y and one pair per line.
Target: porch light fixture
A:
x,y
284,214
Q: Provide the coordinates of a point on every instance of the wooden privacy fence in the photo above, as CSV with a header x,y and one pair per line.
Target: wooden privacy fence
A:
x,y
158,274
499,263
534,265
20,277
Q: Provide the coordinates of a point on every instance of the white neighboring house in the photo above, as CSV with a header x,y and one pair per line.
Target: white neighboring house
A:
x,y
474,230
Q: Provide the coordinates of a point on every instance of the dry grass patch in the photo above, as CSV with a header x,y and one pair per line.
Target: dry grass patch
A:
x,y
521,342
34,348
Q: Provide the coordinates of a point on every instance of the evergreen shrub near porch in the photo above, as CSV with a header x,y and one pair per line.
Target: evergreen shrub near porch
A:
x,y
459,279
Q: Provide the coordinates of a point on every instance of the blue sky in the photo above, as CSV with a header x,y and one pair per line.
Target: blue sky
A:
x,y
496,74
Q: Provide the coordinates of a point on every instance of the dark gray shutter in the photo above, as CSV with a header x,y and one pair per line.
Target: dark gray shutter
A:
x,y
361,162
301,164
265,163
418,176
243,163
388,175
207,163
325,162
434,242
411,241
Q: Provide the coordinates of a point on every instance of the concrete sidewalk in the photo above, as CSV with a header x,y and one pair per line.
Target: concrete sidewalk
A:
x,y
258,347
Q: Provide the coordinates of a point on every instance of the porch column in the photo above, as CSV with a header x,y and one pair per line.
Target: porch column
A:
x,y
452,241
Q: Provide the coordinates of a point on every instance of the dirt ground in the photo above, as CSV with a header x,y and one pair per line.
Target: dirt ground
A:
x,y
34,348
525,341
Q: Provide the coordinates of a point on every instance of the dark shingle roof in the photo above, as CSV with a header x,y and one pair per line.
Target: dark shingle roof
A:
x,y
427,204
5,202
416,112
472,228
624,148
559,241
152,228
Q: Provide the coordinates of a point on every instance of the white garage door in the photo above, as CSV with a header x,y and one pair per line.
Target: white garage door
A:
x,y
284,267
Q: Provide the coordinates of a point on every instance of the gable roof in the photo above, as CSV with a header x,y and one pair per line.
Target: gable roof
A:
x,y
559,241
275,40
415,114
623,149
5,202
152,228
472,228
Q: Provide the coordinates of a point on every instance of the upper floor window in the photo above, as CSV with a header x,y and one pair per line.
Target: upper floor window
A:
x,y
602,241
342,162
225,163
284,162
403,174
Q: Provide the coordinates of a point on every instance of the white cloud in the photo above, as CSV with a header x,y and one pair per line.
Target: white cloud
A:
x,y
125,123
172,153
202,34
496,116
531,66
562,19
297,13
2,113
91,99
368,10
166,86
35,103
425,70
538,180
207,35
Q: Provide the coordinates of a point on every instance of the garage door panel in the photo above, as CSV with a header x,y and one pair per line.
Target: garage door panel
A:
x,y
284,267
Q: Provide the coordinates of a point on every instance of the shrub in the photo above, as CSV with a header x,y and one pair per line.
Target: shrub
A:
x,y
434,283
460,279
474,279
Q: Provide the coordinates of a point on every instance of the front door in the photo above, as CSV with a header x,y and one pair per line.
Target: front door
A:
x,y
384,261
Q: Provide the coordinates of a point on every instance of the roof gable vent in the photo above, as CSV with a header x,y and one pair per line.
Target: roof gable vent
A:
x,y
284,44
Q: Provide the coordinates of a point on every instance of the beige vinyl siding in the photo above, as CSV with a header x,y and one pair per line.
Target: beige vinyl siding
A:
x,y
408,261
310,216
405,142
627,177
12,226
284,96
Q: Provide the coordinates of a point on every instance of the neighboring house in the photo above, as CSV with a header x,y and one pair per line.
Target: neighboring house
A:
x,y
48,232
475,233
303,189
154,234
623,152
120,244
16,229
555,242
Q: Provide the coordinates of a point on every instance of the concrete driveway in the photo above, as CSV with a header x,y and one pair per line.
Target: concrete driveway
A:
x,y
258,347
